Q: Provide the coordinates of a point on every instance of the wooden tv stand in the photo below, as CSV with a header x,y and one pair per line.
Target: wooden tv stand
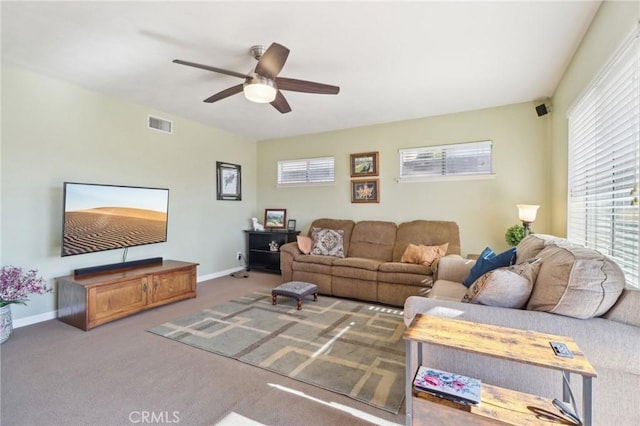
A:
x,y
88,301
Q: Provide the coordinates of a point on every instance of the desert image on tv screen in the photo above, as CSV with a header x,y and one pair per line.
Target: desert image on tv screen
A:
x,y
103,217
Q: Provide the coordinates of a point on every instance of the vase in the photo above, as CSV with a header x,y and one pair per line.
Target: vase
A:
x,y
6,323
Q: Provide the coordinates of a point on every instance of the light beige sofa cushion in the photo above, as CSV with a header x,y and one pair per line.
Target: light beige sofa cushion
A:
x,y
575,281
627,308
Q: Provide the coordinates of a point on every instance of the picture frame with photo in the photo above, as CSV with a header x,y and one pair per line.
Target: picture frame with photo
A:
x,y
228,181
275,218
365,191
364,164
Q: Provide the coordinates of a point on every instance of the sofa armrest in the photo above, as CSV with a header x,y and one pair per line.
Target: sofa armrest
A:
x,y
452,268
288,253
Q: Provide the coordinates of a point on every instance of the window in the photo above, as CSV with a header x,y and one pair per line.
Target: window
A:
x,y
471,158
604,164
306,171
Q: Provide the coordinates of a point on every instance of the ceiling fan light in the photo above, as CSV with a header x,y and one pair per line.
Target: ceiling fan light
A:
x,y
260,90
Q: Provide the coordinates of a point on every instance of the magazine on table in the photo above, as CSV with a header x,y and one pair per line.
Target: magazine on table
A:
x,y
454,387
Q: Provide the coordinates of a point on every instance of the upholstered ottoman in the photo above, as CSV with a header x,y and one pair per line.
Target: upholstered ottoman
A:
x,y
295,289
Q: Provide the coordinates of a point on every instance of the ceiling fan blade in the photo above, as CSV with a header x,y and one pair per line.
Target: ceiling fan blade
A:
x,y
224,94
306,86
209,68
281,104
272,61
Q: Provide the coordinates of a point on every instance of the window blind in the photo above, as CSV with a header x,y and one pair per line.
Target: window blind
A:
x,y
469,158
306,171
604,163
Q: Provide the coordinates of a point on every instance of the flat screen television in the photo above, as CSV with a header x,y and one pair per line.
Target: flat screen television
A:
x,y
105,217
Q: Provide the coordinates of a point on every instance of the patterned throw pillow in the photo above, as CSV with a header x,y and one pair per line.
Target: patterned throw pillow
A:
x,y
423,255
327,242
508,287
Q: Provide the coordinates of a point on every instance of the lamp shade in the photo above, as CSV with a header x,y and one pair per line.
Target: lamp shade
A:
x,y
527,212
260,90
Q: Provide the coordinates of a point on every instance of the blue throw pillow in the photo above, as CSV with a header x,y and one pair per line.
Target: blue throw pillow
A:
x,y
488,261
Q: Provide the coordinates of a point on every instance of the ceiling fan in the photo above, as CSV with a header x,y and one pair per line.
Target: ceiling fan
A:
x,y
262,85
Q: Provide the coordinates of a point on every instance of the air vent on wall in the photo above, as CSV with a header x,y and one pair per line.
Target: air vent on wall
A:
x,y
160,124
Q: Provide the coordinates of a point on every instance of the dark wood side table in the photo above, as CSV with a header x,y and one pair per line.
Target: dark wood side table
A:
x,y
264,248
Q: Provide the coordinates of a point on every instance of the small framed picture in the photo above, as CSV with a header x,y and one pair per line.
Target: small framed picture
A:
x,y
365,191
275,218
291,225
228,181
364,164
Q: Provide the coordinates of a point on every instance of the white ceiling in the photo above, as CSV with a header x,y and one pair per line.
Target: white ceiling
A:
x,y
392,60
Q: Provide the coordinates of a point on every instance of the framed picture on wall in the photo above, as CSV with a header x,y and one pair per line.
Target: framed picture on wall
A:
x,y
364,164
275,218
228,179
365,191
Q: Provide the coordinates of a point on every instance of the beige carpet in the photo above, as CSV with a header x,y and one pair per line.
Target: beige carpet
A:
x,y
353,348
55,374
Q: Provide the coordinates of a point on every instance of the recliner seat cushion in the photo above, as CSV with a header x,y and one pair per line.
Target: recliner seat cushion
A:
x,y
358,263
408,268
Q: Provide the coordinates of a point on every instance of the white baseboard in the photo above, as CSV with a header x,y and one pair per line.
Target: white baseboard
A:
x,y
22,322
34,319
219,274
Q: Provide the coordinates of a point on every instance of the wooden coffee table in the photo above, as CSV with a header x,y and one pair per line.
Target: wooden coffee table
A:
x,y
498,405
295,289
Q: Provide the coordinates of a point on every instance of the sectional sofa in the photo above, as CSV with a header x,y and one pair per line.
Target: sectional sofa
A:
x,y
369,265
575,292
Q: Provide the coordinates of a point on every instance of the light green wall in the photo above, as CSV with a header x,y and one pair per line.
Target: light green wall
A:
x,y
613,22
483,209
54,132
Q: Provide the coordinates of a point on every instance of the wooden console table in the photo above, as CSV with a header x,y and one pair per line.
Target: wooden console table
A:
x,y
498,405
87,301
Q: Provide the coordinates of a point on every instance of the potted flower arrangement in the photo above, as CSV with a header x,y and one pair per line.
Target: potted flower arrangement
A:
x,y
15,286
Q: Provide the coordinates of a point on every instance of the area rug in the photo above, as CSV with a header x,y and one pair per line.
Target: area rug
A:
x,y
353,348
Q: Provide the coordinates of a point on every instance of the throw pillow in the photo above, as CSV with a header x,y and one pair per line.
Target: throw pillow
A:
x,y
423,255
305,244
488,261
576,281
507,287
327,242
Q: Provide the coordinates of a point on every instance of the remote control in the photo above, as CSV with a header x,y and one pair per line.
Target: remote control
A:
x,y
561,349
